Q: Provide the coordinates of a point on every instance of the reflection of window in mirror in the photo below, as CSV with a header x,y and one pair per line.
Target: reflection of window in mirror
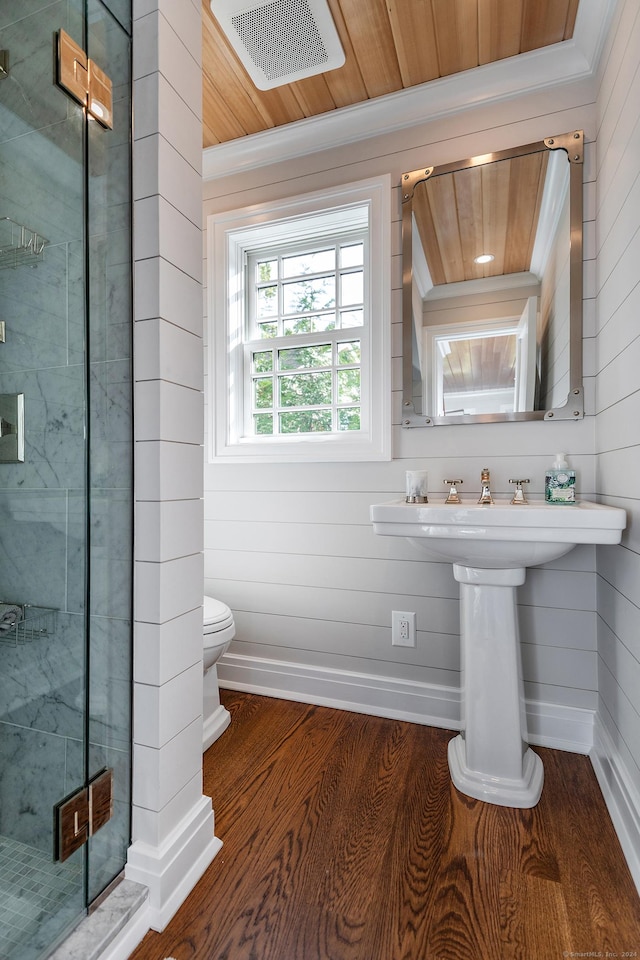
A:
x,y
481,366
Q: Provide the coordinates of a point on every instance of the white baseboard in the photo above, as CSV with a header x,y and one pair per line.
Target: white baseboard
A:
x,y
559,727
359,692
173,869
620,796
549,725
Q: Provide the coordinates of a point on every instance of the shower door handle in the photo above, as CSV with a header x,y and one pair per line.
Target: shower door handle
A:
x,y
83,79
81,814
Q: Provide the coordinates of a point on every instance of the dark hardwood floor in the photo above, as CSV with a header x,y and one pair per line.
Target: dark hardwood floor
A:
x,y
345,840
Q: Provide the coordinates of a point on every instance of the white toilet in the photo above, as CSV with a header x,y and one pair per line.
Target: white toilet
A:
x,y
218,631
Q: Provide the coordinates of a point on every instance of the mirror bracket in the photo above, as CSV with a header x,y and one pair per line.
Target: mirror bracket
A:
x,y
409,181
573,143
412,419
573,408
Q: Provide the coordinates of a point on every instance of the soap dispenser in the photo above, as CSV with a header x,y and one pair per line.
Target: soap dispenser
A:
x,y
560,482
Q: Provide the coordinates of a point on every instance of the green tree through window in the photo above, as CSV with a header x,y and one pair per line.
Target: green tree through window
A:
x,y
303,344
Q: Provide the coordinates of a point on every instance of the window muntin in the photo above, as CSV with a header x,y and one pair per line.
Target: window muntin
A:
x,y
309,303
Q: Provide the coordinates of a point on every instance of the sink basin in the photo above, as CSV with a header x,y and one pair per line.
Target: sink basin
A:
x,y
490,545
498,535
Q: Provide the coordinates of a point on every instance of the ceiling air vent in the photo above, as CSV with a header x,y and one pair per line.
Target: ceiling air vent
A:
x,y
280,41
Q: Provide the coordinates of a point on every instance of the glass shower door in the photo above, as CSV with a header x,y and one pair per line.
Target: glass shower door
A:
x,y
110,447
65,467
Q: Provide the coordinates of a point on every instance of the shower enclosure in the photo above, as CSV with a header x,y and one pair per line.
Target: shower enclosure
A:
x,y
65,466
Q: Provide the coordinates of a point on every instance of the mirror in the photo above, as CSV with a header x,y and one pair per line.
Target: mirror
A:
x,y
492,287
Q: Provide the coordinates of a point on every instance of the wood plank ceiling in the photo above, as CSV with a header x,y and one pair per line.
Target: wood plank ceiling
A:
x,y
389,45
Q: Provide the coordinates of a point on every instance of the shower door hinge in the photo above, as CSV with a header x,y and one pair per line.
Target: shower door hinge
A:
x,y
82,813
84,80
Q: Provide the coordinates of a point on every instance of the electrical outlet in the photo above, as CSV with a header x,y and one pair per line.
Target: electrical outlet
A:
x,y
403,629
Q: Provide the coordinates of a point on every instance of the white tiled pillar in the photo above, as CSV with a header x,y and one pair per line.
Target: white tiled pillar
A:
x,y
173,836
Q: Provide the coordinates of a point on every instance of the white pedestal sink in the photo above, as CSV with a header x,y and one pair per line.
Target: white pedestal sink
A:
x,y
490,545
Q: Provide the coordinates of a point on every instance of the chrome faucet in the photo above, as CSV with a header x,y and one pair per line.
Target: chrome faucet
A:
x,y
453,493
518,496
485,496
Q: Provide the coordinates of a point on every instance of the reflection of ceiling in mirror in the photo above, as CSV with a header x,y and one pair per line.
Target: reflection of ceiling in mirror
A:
x,y
479,364
489,209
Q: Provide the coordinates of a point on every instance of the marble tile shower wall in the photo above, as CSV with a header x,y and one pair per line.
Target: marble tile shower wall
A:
x,y
42,501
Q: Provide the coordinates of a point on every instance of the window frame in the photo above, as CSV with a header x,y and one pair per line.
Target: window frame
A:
x,y
230,237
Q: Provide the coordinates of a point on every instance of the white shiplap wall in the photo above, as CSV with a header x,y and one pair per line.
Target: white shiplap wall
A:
x,y
290,547
172,822
617,397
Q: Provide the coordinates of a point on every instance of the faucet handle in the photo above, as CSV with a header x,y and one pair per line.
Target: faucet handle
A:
x,y
453,493
518,496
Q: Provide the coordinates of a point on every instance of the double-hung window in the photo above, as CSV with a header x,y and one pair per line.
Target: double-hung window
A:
x,y
305,331
300,314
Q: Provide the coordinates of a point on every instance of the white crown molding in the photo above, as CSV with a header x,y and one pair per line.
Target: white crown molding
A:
x,y
561,63
483,285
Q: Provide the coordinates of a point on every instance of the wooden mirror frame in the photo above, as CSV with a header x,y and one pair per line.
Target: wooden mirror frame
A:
x,y
573,409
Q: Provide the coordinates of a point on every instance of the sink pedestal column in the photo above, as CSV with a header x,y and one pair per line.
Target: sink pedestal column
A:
x,y
491,760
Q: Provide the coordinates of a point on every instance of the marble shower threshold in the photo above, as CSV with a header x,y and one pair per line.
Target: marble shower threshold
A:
x,y
93,936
